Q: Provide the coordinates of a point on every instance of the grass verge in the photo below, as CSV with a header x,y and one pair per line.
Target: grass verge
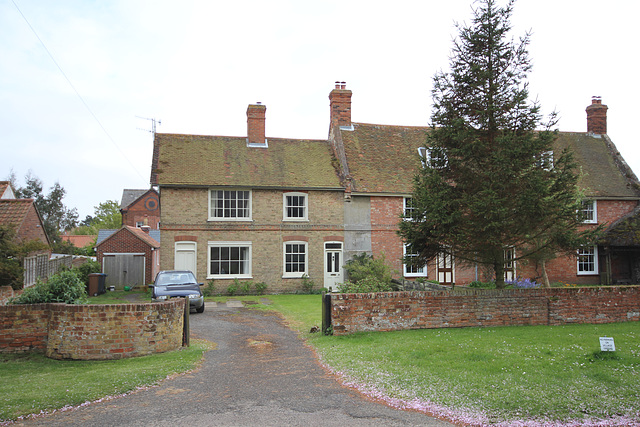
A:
x,y
31,383
487,376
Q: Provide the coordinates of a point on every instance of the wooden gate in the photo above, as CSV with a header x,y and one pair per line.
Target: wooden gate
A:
x,y
123,270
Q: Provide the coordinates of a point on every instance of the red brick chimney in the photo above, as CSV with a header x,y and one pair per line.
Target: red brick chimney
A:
x,y
255,124
340,103
597,116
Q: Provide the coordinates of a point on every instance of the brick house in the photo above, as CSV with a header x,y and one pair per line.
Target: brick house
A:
x,y
377,163
140,208
22,215
250,208
274,210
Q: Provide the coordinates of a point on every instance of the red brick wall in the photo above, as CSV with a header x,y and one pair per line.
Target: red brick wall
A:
x,y
92,332
124,241
24,327
390,311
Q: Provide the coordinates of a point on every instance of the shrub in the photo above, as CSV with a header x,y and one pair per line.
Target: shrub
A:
x,y
482,285
87,268
364,266
11,273
261,287
210,290
63,287
233,288
245,287
307,284
365,285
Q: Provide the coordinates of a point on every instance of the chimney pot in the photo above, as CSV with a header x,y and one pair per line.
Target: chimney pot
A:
x,y
256,124
340,105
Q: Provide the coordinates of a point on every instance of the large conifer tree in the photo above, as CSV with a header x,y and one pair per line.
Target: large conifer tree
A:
x,y
490,180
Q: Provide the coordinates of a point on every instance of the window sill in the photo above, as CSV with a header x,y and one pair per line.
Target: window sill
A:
x,y
229,277
296,276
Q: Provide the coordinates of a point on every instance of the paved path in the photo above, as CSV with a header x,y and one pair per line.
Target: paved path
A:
x,y
260,373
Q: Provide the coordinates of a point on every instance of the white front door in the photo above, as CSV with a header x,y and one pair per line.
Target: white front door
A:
x,y
186,257
332,264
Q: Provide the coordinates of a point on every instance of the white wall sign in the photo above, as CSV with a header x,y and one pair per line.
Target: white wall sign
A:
x,y
607,344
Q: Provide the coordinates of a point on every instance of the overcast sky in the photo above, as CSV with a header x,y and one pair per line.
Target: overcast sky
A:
x,y
195,66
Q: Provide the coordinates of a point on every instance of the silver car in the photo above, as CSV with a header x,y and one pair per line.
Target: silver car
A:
x,y
178,283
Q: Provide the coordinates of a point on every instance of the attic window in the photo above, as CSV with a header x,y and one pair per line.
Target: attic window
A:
x,y
545,160
435,158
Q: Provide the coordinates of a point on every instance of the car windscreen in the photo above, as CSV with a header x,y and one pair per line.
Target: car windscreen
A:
x,y
175,278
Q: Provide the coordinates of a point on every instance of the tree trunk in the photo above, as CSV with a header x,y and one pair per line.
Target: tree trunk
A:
x,y
545,278
498,267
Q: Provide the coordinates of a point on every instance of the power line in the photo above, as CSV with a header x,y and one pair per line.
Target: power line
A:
x,y
77,93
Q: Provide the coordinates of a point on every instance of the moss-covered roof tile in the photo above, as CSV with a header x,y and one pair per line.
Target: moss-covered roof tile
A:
x,y
228,161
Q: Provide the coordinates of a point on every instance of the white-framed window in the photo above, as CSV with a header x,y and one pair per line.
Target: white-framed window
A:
x,y
510,263
411,270
588,260
229,205
228,260
295,261
139,224
295,206
407,208
545,160
589,212
435,158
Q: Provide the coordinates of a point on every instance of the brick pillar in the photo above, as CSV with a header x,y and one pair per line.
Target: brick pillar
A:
x,y
255,124
597,117
340,103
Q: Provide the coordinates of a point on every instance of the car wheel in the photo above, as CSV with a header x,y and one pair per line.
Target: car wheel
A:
x,y
201,309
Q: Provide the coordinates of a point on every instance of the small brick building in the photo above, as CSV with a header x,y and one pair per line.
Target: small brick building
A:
x,y
129,256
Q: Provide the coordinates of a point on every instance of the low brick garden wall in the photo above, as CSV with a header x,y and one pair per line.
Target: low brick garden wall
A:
x,y
92,332
392,311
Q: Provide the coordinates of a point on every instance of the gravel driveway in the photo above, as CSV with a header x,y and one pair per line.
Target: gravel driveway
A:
x,y
260,373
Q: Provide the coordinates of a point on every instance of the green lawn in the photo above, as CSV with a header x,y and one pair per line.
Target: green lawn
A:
x,y
487,375
30,383
473,376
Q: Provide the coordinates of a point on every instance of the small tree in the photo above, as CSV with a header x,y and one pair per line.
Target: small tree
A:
x,y
490,179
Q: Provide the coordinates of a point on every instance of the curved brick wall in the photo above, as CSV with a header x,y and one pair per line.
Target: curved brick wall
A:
x,y
92,332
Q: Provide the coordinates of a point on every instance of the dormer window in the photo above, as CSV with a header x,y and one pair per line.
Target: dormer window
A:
x,y
434,158
544,160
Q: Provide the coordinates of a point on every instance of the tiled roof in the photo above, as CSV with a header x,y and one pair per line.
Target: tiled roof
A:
x,y
143,236
227,161
78,240
153,238
14,211
603,175
383,159
130,196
